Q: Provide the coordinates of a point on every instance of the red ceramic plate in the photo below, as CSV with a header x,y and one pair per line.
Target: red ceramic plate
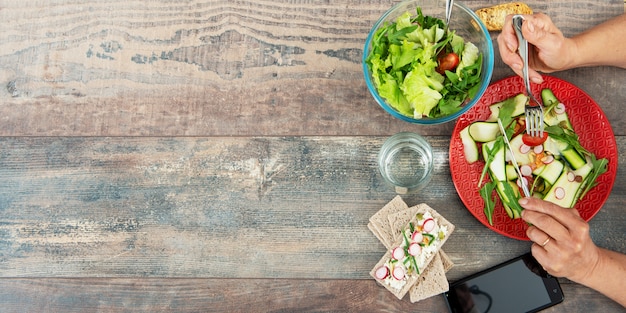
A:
x,y
589,122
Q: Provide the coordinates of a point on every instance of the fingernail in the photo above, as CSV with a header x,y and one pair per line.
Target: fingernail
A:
x,y
531,27
523,201
537,80
516,66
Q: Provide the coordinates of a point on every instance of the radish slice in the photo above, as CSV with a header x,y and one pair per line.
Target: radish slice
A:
x,y
524,148
415,249
428,225
417,236
398,272
559,108
559,193
522,180
571,176
538,149
547,159
382,272
398,253
526,170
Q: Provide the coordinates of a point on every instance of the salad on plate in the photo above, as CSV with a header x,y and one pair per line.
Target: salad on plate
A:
x,y
554,167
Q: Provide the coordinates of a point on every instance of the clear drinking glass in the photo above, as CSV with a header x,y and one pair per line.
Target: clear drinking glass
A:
x,y
405,161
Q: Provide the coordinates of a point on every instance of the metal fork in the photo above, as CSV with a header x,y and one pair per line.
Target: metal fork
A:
x,y
534,108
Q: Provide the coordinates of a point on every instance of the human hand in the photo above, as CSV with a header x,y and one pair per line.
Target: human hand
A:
x,y
548,49
562,244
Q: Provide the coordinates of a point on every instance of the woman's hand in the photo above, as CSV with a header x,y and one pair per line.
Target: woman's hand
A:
x,y
562,243
548,49
563,247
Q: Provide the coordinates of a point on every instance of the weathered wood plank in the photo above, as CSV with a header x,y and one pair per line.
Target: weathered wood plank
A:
x,y
235,295
269,207
129,68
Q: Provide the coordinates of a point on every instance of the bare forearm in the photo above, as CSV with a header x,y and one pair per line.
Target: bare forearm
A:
x,y
601,45
609,276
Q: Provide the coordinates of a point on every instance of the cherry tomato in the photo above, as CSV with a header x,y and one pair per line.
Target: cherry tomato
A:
x,y
447,62
532,141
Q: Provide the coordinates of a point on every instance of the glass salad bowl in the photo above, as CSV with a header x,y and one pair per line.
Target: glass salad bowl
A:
x,y
421,73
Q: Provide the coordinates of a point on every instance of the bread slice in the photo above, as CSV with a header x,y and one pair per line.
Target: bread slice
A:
x,y
442,231
380,222
494,16
432,282
446,261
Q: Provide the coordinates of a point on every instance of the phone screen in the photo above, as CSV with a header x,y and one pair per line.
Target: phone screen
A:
x,y
518,285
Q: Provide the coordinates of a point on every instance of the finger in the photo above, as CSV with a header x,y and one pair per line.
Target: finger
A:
x,y
533,31
507,45
538,236
541,255
544,226
564,216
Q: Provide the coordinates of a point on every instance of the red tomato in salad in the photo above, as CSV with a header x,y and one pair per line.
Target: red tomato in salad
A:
x,y
532,141
447,62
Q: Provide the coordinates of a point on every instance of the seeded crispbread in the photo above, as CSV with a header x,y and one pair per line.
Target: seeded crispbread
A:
x,y
380,222
432,282
446,261
398,220
412,279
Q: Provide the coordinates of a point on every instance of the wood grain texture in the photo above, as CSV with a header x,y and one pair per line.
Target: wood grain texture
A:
x,y
236,295
219,68
219,156
271,207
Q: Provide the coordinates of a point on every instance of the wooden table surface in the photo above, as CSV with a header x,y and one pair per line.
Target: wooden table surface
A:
x,y
198,156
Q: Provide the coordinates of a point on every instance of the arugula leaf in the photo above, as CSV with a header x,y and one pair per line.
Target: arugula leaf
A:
x,y
568,136
490,156
486,192
599,167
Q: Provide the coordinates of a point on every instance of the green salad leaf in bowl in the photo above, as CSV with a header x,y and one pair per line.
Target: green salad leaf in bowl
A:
x,y
424,73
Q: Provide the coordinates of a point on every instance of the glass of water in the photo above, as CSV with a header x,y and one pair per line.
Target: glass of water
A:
x,y
405,161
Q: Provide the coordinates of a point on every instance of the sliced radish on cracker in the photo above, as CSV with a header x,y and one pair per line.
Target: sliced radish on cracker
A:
x,y
399,272
382,272
415,249
398,253
429,225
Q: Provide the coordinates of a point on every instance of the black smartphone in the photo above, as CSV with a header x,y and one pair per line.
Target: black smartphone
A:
x,y
518,285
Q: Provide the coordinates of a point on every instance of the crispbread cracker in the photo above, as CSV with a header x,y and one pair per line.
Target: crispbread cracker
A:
x,y
494,16
441,222
446,261
380,221
400,219
432,282
374,229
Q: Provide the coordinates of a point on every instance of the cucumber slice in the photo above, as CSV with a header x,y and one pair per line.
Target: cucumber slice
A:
x,y
497,166
484,131
469,146
521,158
509,194
574,159
511,173
554,146
550,172
570,189
550,117
548,98
517,103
